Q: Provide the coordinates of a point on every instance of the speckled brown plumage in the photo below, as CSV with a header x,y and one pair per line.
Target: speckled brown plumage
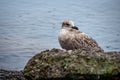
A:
x,y
71,39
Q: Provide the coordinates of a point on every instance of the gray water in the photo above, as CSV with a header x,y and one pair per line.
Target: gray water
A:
x,y
30,26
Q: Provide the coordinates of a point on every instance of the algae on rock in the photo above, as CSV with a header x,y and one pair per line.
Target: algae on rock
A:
x,y
77,64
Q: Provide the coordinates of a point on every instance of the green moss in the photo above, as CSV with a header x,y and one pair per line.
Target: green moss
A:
x,y
80,64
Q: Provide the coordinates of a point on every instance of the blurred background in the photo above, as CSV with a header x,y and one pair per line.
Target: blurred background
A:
x,y
28,27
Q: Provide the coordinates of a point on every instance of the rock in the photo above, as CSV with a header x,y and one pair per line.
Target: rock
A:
x,y
57,64
11,75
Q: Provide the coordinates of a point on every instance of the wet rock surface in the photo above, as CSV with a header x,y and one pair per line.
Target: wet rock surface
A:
x,y
11,75
57,64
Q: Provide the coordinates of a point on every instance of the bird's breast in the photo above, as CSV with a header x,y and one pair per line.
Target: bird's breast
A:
x,y
64,32
63,36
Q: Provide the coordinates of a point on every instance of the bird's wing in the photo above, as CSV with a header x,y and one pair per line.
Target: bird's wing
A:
x,y
83,41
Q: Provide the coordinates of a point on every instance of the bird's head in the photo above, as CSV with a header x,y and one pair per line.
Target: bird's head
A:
x,y
69,24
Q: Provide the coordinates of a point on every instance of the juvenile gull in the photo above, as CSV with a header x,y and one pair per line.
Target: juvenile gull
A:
x,y
70,38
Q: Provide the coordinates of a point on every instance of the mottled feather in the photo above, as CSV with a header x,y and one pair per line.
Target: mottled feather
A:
x,y
71,39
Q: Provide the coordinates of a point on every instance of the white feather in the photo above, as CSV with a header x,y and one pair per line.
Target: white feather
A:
x,y
63,32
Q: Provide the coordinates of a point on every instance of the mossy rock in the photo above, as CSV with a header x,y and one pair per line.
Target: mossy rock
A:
x,y
57,64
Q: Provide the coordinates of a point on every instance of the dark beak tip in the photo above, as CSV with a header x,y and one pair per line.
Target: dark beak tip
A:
x,y
75,27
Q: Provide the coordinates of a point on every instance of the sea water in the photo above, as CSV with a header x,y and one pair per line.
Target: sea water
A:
x,y
28,27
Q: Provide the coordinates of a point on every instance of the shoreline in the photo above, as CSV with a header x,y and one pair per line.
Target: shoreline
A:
x,y
18,75
11,75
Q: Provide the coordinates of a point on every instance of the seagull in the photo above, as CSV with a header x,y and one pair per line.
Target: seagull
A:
x,y
71,38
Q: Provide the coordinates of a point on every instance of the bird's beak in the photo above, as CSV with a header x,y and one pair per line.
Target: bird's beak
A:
x,y
75,27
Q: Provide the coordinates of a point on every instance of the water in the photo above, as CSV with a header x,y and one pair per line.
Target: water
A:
x,y
30,26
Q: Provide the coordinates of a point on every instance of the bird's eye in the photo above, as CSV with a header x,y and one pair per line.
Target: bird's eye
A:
x,y
67,24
